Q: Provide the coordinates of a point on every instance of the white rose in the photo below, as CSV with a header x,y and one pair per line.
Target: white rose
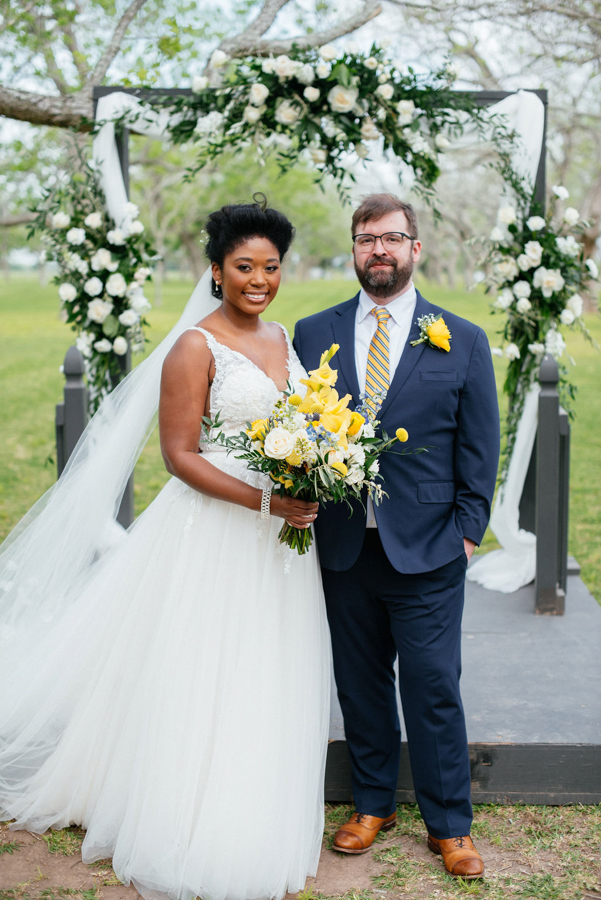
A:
x,y
199,84
93,286
505,299
311,94
592,267
287,113
116,237
318,155
94,220
570,216
524,262
506,269
507,215
535,223
361,150
323,69
139,303
267,66
383,78
103,346
554,343
354,475
512,351
128,318
369,132
560,191
76,236
328,52
278,444
98,310
218,59
385,91
371,63
523,306
210,124
568,246
120,346
116,285
548,280
405,107
61,220
537,349
102,259
497,235
575,304
251,114
522,289
441,142
567,317
134,228
141,274
67,292
534,252
342,99
258,93
284,67
306,74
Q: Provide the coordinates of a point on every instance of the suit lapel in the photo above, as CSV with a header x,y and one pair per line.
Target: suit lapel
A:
x,y
343,326
410,355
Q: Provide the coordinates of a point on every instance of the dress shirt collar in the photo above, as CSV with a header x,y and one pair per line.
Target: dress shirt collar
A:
x,y
398,308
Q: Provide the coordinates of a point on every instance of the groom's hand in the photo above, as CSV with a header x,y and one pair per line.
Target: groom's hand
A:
x,y
469,547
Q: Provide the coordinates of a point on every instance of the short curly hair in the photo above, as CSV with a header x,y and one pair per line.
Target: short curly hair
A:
x,y
232,225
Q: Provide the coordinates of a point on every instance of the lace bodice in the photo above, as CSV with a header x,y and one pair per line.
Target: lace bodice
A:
x,y
241,391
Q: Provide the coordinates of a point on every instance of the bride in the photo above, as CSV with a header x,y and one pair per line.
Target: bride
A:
x,y
168,691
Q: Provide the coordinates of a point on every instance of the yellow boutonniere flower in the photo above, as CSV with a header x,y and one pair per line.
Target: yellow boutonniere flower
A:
x,y
433,331
402,435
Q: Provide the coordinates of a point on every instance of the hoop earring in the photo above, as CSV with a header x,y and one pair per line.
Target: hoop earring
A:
x,y
216,289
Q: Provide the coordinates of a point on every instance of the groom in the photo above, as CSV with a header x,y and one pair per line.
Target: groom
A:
x,y
394,576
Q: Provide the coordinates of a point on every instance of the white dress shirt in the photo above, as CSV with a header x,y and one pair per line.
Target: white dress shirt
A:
x,y
401,310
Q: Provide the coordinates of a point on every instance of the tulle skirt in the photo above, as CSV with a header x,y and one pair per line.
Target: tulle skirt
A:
x,y
179,710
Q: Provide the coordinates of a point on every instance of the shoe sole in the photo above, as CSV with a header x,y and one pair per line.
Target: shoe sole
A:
x,y
365,849
435,849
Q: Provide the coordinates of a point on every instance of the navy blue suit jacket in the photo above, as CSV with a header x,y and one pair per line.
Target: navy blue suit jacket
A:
x,y
448,403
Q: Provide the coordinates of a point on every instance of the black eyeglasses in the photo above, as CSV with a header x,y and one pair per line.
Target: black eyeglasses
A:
x,y
392,240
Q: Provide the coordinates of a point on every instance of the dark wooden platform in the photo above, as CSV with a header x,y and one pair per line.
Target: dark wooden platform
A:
x,y
531,687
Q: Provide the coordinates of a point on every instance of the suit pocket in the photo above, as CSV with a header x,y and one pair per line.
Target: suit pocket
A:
x,y
436,491
438,376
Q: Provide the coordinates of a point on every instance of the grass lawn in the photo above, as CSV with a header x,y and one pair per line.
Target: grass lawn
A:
x,y
33,342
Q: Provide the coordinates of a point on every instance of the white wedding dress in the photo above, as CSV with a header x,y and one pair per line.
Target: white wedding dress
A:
x,y
179,710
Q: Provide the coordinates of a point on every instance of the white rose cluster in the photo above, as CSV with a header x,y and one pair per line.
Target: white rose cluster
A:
x,y
504,299
103,259
568,246
288,112
76,236
116,285
406,111
506,269
531,256
116,237
60,220
550,281
98,310
93,220
507,215
209,125
554,343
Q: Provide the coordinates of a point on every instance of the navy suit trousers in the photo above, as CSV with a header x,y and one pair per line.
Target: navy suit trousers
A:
x,y
375,613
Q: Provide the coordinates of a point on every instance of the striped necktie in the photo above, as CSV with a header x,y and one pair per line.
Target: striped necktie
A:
x,y
377,378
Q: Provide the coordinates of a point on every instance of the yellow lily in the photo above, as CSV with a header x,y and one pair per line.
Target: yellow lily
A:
x,y
320,378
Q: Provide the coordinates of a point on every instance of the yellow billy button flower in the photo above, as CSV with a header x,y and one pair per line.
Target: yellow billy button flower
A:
x,y
295,399
402,435
357,421
439,334
257,430
340,467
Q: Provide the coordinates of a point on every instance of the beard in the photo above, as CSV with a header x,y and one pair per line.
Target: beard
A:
x,y
384,283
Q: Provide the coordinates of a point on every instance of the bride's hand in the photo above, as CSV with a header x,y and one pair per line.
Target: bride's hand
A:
x,y
298,513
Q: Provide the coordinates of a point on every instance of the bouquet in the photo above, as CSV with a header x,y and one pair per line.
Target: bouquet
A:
x,y
315,448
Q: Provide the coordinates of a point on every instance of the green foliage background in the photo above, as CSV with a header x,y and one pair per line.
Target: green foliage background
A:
x,y
33,342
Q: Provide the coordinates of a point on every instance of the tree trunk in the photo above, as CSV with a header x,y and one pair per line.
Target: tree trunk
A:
x,y
194,253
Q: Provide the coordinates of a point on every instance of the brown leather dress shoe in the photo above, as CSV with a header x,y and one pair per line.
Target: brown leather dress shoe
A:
x,y
358,834
459,855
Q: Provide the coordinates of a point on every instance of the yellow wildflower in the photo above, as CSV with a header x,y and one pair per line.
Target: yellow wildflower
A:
x,y
340,467
295,399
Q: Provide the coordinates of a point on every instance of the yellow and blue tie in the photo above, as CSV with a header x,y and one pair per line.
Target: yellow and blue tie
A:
x,y
377,378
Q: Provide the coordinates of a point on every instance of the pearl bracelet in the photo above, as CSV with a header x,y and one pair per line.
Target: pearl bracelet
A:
x,y
266,503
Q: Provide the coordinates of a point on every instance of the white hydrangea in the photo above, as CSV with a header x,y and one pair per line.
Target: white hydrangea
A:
x,y
535,223
116,237
76,236
116,285
507,215
550,281
93,286
129,317
199,84
67,292
98,310
567,316
311,94
94,220
210,124
103,346
571,216
259,93
554,343
120,346
523,306
306,74
575,304
342,99
522,289
504,299
385,91
512,352
288,113
568,246
60,220
560,191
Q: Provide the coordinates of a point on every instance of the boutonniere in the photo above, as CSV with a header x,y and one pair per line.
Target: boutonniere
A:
x,y
433,331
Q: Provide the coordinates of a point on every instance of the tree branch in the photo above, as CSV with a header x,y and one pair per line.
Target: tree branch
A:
x,y
40,109
249,41
18,219
114,44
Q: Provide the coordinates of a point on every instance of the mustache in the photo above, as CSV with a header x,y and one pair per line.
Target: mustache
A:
x,y
378,260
